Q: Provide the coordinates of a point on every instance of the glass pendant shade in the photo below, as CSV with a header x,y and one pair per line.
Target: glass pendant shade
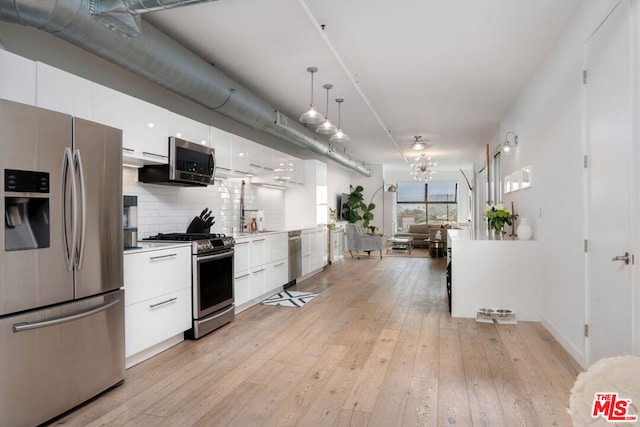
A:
x,y
326,127
339,136
311,116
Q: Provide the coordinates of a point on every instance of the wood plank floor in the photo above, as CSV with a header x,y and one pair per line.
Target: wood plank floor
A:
x,y
376,347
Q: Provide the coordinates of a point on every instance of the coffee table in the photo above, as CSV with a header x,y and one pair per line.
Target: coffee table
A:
x,y
403,243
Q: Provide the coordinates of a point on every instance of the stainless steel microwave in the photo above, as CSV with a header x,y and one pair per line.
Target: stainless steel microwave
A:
x,y
189,164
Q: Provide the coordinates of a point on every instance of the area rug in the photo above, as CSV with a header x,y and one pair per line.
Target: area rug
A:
x,y
289,299
415,253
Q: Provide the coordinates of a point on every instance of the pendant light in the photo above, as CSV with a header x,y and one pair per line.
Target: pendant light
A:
x,y
312,115
326,127
339,136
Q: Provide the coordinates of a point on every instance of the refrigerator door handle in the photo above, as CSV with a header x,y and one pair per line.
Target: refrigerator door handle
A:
x,y
79,255
26,326
68,174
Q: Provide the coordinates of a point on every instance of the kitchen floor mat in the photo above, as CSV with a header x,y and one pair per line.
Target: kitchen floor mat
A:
x,y
289,299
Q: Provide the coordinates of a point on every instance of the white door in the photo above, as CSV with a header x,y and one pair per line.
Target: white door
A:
x,y
609,200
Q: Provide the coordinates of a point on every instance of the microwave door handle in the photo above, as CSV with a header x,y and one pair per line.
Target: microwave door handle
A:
x,y
79,255
212,166
68,204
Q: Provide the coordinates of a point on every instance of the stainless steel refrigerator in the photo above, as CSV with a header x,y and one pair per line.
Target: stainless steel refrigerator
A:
x,y
61,302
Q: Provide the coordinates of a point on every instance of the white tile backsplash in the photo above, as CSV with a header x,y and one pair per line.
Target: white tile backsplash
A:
x,y
168,209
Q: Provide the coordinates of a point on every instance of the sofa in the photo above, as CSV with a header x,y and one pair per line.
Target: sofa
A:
x,y
420,232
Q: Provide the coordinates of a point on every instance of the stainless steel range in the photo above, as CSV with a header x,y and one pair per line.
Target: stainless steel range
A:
x,y
211,277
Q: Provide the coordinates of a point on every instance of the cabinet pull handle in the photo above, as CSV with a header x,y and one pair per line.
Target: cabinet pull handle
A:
x,y
146,153
259,271
244,275
163,302
154,258
224,169
241,243
131,150
278,265
260,240
255,165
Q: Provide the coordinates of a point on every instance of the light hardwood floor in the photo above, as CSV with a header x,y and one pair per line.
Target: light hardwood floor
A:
x,y
376,347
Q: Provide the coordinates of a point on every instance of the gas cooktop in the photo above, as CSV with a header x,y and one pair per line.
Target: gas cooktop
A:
x,y
185,237
201,243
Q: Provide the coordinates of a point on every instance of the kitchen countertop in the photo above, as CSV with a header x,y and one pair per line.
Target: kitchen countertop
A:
x,y
145,246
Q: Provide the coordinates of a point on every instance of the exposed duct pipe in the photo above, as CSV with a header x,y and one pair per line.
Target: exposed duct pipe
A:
x,y
160,59
122,15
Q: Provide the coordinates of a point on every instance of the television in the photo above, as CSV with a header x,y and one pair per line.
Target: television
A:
x,y
342,199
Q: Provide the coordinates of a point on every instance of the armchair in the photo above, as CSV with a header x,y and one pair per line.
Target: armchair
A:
x,y
358,240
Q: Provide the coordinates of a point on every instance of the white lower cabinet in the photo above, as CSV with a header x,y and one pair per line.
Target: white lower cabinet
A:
x,y
157,300
151,322
277,275
261,267
314,250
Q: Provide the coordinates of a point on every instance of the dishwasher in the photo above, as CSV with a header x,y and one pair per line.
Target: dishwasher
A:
x,y
295,256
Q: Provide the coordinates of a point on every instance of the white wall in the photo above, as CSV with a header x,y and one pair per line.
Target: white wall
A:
x,y
168,209
548,120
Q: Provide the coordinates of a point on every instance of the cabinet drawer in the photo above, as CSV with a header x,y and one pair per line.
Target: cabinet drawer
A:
x,y
154,273
150,322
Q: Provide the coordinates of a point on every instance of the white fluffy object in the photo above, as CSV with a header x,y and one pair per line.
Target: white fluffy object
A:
x,y
609,375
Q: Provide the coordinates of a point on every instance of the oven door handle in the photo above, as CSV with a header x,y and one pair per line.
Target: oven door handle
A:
x,y
224,254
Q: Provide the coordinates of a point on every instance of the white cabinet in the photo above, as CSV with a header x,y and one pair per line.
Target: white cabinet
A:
x,y
248,260
277,247
221,141
261,267
145,132
277,275
314,250
18,82
240,148
151,135
115,109
60,91
187,129
158,300
307,205
336,245
257,251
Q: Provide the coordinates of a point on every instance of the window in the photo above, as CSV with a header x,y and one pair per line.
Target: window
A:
x,y
442,198
420,203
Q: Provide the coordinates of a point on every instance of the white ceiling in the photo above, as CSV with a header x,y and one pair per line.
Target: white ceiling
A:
x,y
444,69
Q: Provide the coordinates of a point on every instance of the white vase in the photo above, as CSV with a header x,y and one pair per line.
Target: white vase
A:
x,y
524,229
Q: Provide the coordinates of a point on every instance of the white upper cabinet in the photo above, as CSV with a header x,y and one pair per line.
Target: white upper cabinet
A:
x,y
144,126
221,141
118,110
18,82
240,154
152,135
188,129
64,92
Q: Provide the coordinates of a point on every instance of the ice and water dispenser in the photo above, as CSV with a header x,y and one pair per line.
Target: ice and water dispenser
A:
x,y
26,219
130,221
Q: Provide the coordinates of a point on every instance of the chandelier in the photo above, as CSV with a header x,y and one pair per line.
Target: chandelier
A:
x,y
421,169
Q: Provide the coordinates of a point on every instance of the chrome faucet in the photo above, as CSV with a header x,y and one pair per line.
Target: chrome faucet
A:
x,y
242,224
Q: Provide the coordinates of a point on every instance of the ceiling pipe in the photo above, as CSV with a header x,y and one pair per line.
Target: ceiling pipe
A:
x,y
160,59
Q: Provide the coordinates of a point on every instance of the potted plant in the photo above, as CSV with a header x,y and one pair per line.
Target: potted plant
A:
x,y
355,209
333,216
351,208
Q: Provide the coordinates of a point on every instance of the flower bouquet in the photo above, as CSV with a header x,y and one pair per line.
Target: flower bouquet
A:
x,y
498,216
